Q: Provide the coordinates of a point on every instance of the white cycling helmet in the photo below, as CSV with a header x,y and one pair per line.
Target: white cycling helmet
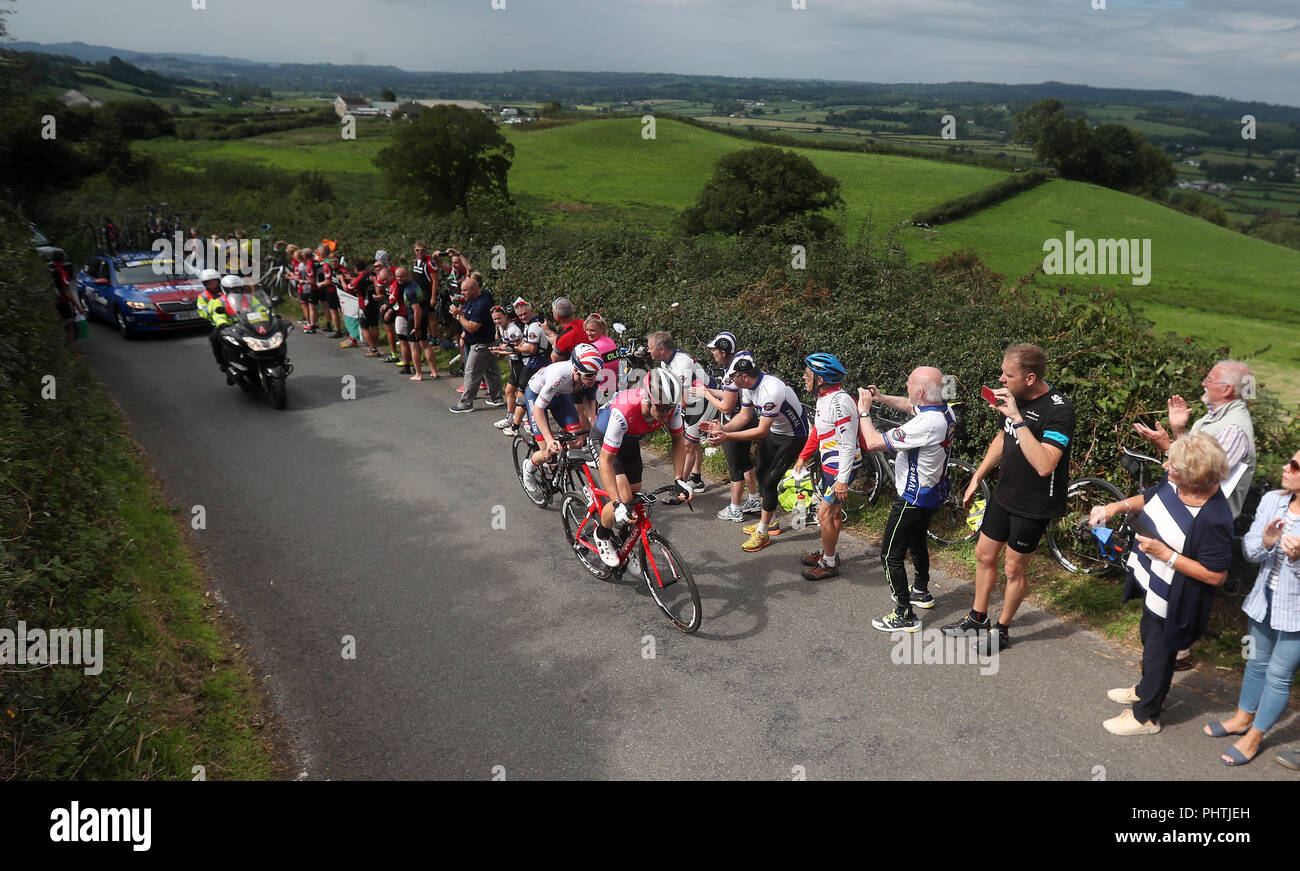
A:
x,y
209,275
586,359
232,282
662,387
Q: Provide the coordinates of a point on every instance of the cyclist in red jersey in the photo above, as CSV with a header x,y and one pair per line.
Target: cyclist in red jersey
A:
x,y
619,427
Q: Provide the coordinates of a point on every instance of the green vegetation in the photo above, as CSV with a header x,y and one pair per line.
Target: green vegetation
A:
x,y
962,207
763,188
85,541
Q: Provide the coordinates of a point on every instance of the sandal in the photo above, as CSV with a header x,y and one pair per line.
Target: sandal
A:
x,y
1236,757
1216,730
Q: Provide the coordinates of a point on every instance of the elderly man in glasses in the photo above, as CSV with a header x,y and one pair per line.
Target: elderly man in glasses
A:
x,y
1227,388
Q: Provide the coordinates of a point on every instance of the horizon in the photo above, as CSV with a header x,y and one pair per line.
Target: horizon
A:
x,y
1190,46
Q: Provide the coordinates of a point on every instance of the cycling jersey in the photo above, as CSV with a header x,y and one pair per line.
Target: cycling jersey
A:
x,y
556,378
923,446
835,434
395,301
772,398
535,335
1021,490
622,420
425,272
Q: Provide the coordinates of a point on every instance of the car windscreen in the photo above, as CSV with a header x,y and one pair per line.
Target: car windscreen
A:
x,y
147,272
39,239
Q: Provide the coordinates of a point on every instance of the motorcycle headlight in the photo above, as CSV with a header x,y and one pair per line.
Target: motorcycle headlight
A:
x,y
276,341
257,344
139,306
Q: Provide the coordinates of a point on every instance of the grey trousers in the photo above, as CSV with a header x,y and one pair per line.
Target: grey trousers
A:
x,y
481,365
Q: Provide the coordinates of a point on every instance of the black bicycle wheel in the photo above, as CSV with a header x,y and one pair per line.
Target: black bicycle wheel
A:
x,y
573,511
1070,537
669,580
952,522
522,448
871,478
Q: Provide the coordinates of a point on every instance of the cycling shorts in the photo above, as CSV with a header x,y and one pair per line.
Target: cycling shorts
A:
x,y
562,410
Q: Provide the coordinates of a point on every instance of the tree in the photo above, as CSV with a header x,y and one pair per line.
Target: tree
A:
x,y
760,187
387,96
437,161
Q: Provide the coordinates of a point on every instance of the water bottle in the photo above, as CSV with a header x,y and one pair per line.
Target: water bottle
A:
x,y
799,517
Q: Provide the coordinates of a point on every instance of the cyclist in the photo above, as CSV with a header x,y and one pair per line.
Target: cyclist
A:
x,y
663,348
740,460
922,447
834,436
772,415
619,427
551,389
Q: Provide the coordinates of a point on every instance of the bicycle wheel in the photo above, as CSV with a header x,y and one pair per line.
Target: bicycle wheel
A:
x,y
573,512
522,448
871,478
1070,537
952,522
669,580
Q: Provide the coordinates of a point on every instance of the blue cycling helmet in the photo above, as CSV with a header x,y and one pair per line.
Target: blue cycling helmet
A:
x,y
826,366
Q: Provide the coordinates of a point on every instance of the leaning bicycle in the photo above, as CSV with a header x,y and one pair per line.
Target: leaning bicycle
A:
x,y
640,547
1079,547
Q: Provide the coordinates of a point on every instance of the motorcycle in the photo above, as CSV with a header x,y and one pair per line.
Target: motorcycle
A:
x,y
254,345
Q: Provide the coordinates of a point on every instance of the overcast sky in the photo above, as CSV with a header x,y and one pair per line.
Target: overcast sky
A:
x,y
1247,49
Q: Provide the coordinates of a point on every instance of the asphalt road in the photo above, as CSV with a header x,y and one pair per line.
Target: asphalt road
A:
x,y
485,652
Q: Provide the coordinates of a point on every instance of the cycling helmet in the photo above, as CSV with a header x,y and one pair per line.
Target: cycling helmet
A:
x,y
209,275
724,342
742,364
232,282
586,359
663,388
825,366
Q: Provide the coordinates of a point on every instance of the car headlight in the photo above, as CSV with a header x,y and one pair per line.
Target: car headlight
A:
x,y
139,306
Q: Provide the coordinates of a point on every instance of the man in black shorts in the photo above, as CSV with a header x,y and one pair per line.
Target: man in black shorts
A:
x,y
1034,451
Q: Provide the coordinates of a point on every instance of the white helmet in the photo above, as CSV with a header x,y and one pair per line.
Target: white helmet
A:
x,y
662,387
209,275
232,282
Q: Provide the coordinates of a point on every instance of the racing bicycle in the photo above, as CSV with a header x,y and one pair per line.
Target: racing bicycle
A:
x,y
1077,546
560,474
642,549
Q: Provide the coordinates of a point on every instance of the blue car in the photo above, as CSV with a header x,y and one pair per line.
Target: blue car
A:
x,y
140,292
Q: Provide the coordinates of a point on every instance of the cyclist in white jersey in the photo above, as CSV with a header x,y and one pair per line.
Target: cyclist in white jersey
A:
x,y
739,455
834,436
772,415
551,389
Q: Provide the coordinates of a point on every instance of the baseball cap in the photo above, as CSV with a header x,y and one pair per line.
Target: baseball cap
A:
x,y
724,341
742,364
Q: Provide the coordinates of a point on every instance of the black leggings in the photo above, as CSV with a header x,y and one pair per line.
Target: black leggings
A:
x,y
776,455
740,458
905,533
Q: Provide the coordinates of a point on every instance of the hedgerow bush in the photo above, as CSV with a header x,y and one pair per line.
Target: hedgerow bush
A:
x,y
961,207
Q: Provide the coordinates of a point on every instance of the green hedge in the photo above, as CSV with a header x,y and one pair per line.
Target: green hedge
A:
x,y
961,207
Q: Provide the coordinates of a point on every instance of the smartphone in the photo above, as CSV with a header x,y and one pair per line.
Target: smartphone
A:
x,y
987,393
1136,524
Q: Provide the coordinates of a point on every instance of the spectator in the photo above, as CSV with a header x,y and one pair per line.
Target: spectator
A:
x,y
349,304
475,321
739,454
1227,387
308,289
1033,449
450,275
1273,607
65,301
409,293
597,331
368,303
664,350
568,332
772,415
1188,509
194,252
424,334
510,333
922,447
833,435
326,264
535,351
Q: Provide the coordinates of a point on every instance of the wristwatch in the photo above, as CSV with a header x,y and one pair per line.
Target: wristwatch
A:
x,y
1019,425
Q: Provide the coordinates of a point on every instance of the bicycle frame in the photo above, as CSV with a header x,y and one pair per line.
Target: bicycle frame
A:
x,y
642,525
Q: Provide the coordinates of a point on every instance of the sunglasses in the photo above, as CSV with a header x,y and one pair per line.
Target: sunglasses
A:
x,y
1292,466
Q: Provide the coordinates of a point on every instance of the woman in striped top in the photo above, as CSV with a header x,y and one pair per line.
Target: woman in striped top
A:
x,y
1184,549
1273,606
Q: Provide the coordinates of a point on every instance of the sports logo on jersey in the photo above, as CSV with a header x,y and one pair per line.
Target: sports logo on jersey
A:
x,y
1058,399
769,406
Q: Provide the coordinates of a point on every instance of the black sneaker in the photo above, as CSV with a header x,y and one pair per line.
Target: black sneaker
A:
x,y
967,627
896,622
921,598
1004,638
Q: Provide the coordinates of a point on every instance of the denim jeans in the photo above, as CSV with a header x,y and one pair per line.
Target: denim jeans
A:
x,y
1266,688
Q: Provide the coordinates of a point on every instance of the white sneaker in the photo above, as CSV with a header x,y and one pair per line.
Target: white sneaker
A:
x,y
608,555
494,403
503,422
697,486
532,484
732,512
510,430
751,504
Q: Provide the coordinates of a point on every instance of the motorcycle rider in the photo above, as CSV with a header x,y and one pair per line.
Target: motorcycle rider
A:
x,y
206,303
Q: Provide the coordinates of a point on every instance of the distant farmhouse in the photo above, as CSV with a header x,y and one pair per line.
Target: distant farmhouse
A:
x,y
360,107
76,98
